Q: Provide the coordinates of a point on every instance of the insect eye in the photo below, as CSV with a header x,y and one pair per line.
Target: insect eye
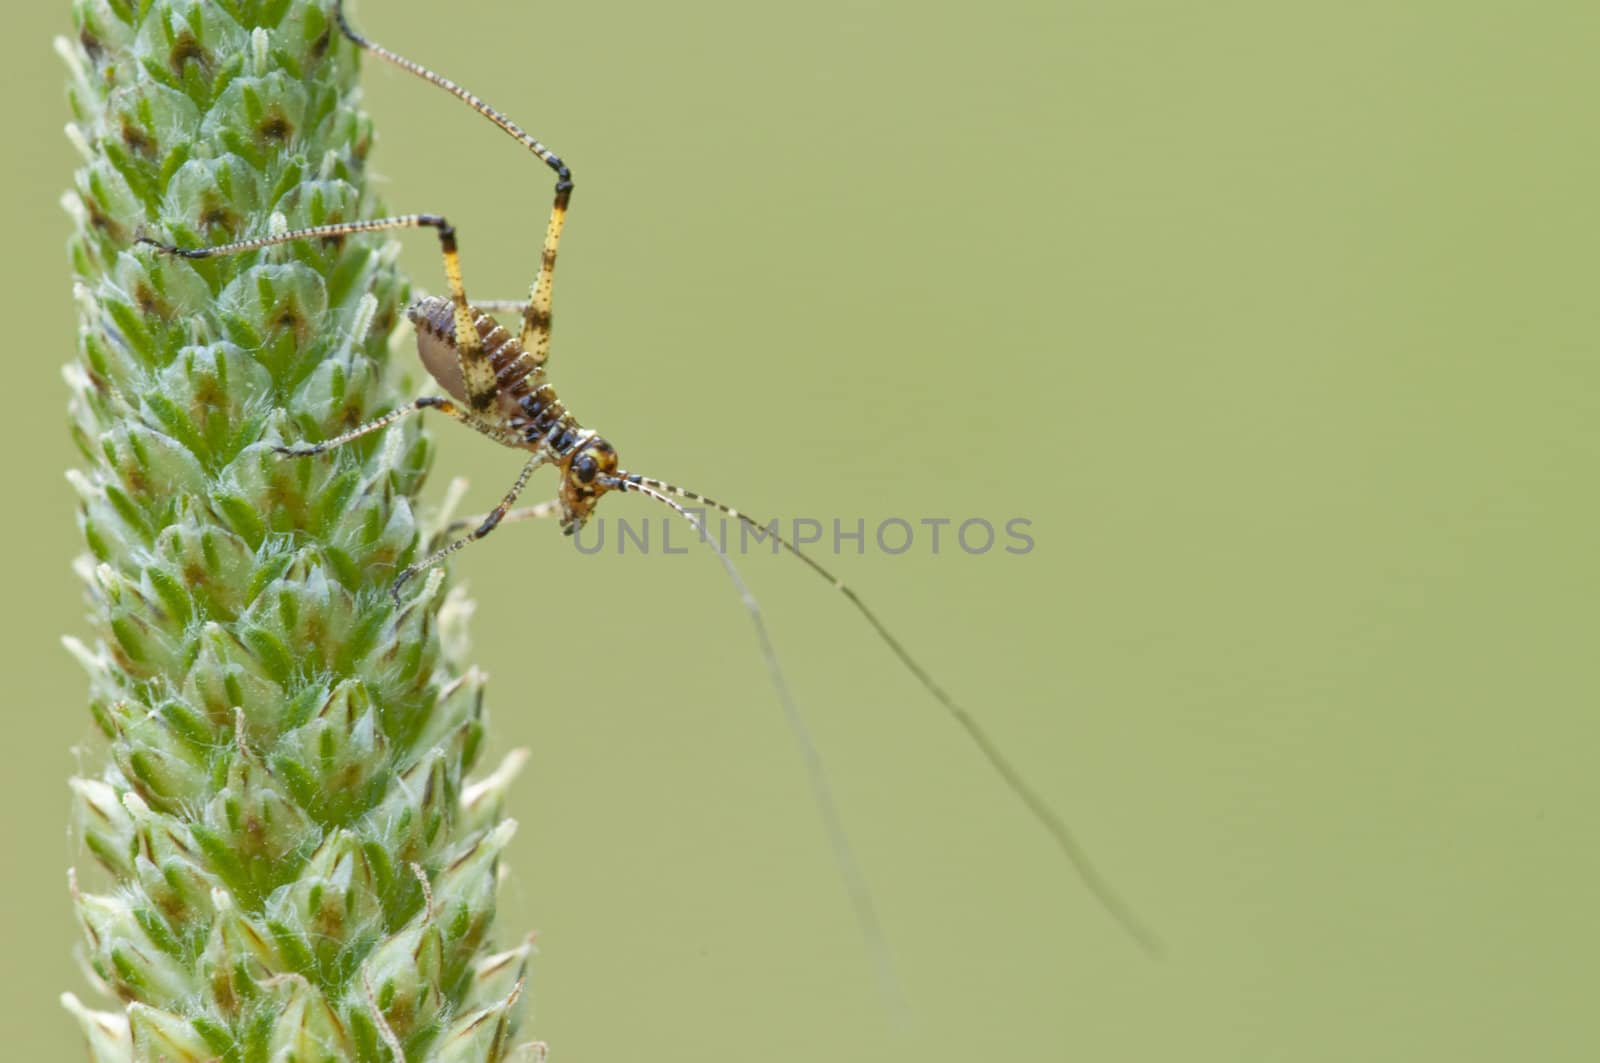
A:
x,y
584,468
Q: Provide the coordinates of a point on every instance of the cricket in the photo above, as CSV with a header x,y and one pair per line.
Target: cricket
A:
x,y
498,385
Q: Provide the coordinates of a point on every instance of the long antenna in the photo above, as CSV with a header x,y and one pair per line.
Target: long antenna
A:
x,y
816,773
1096,883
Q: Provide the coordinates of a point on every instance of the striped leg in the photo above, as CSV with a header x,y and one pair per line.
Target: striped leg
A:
x,y
536,315
490,522
427,402
538,511
476,372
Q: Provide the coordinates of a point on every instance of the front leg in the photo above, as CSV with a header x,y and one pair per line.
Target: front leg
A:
x,y
490,522
538,511
427,402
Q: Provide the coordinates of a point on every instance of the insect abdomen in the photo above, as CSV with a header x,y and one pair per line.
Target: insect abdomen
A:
x,y
435,322
527,400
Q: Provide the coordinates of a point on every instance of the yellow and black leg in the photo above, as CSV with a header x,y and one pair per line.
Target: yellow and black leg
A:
x,y
536,314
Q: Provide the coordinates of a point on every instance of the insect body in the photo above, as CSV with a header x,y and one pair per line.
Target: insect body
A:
x,y
526,405
497,384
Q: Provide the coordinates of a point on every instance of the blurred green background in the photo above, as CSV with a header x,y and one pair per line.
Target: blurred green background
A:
x,y
1277,320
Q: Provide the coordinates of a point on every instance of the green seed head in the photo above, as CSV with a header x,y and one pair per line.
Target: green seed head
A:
x,y
290,861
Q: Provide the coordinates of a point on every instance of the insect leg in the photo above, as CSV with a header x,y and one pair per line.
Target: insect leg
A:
x,y
536,314
490,522
426,402
539,511
477,374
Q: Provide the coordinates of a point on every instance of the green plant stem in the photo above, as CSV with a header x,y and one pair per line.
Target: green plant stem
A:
x,y
293,865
